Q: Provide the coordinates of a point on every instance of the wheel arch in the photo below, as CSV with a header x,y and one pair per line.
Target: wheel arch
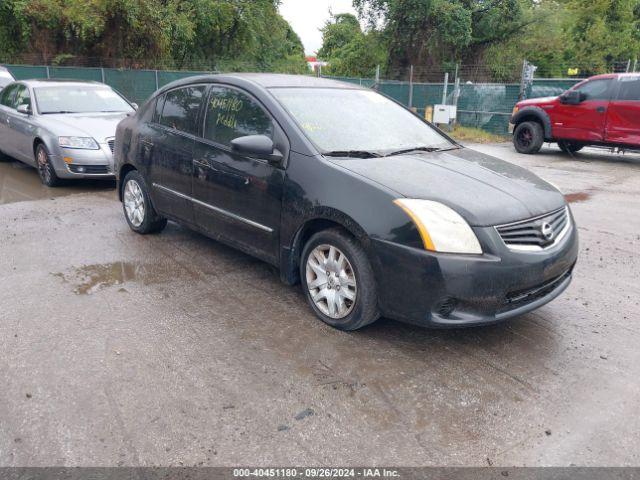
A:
x,y
292,249
124,170
534,114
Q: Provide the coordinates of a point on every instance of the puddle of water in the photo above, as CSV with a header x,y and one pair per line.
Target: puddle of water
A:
x,y
577,197
90,279
20,183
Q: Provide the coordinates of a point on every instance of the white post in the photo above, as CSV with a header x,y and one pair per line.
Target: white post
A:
x,y
411,86
375,85
445,88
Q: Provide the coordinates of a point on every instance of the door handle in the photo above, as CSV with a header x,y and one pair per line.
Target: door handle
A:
x,y
601,109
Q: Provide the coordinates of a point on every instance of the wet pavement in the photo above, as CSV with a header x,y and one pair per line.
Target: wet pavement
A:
x,y
119,349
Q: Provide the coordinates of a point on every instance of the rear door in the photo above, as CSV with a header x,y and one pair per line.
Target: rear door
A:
x,y
171,151
585,121
623,118
237,197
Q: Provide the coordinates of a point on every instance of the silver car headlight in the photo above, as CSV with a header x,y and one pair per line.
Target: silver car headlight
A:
x,y
84,143
441,228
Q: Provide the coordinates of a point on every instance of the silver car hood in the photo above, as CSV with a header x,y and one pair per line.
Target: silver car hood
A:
x,y
99,126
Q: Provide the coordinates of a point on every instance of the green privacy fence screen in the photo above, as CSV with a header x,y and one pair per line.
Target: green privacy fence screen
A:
x,y
481,105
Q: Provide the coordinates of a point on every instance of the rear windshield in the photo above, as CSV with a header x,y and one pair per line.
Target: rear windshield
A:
x,y
79,99
344,120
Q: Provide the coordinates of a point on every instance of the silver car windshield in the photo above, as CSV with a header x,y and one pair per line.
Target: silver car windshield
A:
x,y
79,99
343,120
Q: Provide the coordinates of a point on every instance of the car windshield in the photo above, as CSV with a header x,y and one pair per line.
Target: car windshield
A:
x,y
79,99
357,122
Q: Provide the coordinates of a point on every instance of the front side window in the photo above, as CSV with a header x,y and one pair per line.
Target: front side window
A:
x,y
181,109
22,97
79,98
232,114
340,120
629,89
596,89
7,96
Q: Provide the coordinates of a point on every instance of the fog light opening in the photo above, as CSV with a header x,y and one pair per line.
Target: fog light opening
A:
x,y
447,307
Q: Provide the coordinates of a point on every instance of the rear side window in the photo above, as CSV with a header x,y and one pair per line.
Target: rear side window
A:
x,y
181,109
596,89
629,88
232,114
6,97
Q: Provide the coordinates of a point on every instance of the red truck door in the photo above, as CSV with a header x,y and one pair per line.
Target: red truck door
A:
x,y
623,117
586,120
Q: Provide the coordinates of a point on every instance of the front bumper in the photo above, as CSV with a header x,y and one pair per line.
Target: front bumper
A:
x,y
446,290
84,163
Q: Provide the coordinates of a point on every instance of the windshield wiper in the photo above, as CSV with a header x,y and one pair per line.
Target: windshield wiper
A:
x,y
352,153
59,111
420,149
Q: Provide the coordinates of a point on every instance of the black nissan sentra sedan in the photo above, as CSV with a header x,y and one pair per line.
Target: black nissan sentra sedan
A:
x,y
372,209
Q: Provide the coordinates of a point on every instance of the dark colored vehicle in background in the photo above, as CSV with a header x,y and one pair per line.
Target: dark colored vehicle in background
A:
x,y
600,111
374,210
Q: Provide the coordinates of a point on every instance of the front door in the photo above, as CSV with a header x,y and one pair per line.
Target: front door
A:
x,y
238,198
623,119
6,109
585,121
172,148
22,128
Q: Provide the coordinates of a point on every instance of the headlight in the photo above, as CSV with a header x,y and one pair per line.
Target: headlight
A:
x,y
441,229
85,143
516,109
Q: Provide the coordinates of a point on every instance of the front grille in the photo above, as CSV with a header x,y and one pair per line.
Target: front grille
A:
x,y
112,144
522,297
536,233
90,169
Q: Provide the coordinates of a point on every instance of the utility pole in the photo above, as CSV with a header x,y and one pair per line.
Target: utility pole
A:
x,y
375,85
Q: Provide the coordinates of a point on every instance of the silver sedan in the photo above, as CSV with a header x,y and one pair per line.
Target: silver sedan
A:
x,y
65,129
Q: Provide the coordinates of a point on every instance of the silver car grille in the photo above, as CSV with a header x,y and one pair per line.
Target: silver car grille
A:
x,y
536,233
112,143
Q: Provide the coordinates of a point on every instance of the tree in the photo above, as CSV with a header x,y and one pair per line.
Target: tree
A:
x,y
246,34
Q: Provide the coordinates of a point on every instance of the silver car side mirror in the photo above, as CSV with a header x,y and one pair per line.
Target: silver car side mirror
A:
x,y
25,109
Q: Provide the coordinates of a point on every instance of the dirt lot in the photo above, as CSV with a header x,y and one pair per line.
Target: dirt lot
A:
x,y
117,349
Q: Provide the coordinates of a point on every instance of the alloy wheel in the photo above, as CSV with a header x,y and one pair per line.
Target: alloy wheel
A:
x,y
331,281
44,167
134,203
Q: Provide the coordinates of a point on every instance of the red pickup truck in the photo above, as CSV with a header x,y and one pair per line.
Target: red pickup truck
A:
x,y
603,110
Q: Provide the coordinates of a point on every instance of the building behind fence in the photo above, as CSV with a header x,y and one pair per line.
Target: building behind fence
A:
x,y
480,104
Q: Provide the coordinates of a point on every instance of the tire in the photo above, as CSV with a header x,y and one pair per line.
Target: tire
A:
x,y
352,310
136,205
528,137
46,171
570,147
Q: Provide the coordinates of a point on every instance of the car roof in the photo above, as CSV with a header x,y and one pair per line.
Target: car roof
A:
x,y
613,75
58,82
264,80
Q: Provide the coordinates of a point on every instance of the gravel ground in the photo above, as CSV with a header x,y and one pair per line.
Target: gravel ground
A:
x,y
118,349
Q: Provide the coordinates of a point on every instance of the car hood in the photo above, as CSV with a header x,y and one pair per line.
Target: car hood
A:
x,y
536,101
99,126
486,191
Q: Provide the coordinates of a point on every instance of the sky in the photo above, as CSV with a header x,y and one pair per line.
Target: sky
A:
x,y
308,16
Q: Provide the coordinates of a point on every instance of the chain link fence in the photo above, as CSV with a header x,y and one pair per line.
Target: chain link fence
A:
x,y
481,101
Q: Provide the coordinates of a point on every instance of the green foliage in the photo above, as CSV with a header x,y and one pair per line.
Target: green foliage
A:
x,y
348,49
555,35
152,33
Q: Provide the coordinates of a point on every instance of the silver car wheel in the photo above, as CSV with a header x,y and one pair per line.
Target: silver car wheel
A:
x,y
43,165
331,281
134,203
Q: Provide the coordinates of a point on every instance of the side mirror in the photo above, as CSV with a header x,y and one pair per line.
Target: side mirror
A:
x,y
258,146
25,109
572,97
135,106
